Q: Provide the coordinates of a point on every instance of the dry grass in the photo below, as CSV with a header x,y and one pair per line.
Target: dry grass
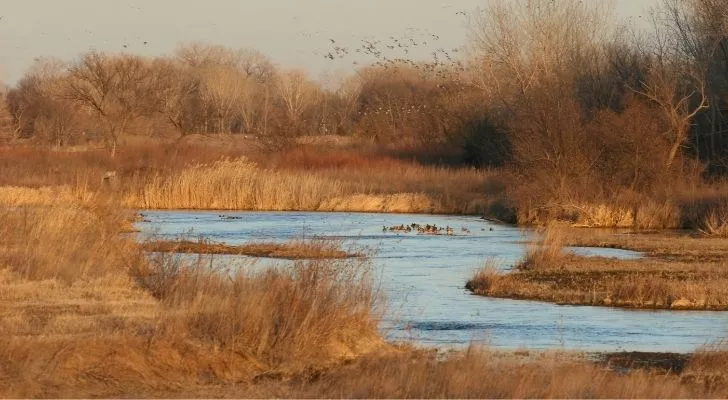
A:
x,y
679,272
64,242
292,250
548,252
242,185
84,314
15,196
715,221
79,317
204,176
288,320
478,373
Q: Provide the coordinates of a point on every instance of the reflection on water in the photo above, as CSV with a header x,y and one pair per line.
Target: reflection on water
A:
x,y
424,277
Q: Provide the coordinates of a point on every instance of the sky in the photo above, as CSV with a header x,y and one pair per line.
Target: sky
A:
x,y
293,33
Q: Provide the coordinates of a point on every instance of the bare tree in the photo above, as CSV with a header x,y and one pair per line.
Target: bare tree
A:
x,y
175,88
676,84
40,106
116,89
249,61
224,89
296,92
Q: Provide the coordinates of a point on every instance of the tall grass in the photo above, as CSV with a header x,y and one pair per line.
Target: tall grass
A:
x,y
83,313
287,318
715,220
73,288
548,252
242,185
480,373
66,242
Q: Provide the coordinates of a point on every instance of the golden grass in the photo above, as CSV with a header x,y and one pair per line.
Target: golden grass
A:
x,y
479,373
292,250
242,185
15,196
66,242
78,316
679,272
715,222
84,314
286,319
546,252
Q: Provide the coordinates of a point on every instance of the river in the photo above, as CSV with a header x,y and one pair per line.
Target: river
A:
x,y
424,276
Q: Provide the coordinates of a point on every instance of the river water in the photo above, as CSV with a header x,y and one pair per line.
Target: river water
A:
x,y
424,276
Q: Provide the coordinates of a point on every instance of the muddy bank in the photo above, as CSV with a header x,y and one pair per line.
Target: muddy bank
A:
x,y
301,250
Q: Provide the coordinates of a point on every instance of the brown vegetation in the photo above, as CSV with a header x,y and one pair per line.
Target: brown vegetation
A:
x,y
678,272
608,130
85,314
242,185
293,250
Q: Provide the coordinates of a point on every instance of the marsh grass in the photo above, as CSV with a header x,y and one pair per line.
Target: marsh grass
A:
x,y
547,252
77,319
715,221
66,242
83,311
482,373
288,318
678,272
242,185
292,250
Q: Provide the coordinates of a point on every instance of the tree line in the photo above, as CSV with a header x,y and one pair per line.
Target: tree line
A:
x,y
554,89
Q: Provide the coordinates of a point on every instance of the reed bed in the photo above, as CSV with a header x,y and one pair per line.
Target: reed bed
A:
x,y
677,272
480,373
547,252
241,185
83,312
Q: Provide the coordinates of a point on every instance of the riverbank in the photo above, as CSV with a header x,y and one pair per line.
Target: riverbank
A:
x,y
84,313
679,271
294,250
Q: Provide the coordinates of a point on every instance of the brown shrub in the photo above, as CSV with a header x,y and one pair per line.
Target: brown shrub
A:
x,y
66,242
548,252
289,318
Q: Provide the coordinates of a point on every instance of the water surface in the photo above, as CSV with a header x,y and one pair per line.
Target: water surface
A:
x,y
423,277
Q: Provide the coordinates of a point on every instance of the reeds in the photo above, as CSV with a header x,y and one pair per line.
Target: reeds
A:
x,y
242,185
676,273
288,318
66,242
481,373
715,221
548,252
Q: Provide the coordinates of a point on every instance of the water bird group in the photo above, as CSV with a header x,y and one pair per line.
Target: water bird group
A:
x,y
424,229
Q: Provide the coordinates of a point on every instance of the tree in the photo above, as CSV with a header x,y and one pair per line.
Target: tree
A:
x,y
296,93
40,105
117,89
676,84
175,89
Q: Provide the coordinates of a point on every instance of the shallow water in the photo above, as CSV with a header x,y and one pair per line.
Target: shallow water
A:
x,y
423,277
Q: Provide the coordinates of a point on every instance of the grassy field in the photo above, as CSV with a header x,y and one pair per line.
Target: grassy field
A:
x,y
680,270
174,176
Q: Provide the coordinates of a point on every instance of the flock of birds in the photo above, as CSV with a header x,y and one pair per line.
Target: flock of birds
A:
x,y
382,52
425,229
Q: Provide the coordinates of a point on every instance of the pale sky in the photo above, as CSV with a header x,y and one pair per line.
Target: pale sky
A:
x,y
293,33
